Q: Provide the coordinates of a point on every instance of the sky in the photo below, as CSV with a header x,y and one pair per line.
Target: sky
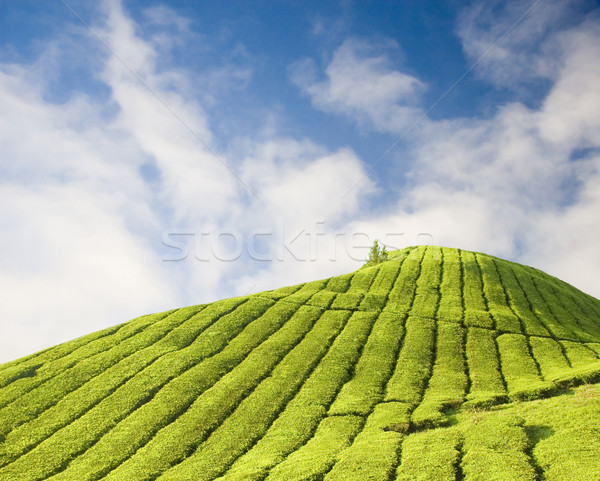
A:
x,y
159,154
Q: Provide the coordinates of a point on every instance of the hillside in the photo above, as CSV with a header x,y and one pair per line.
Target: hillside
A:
x,y
439,364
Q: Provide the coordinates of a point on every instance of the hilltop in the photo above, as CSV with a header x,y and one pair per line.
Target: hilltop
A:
x,y
438,364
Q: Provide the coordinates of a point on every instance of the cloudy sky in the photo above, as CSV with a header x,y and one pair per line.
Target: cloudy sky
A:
x,y
165,153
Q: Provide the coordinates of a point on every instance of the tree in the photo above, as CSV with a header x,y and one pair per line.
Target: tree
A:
x,y
377,254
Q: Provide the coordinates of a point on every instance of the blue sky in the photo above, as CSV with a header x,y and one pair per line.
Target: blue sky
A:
x,y
166,153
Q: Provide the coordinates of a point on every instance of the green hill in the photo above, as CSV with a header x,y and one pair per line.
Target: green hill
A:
x,y
439,364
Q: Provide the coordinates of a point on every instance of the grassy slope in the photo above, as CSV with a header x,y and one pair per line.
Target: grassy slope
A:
x,y
438,364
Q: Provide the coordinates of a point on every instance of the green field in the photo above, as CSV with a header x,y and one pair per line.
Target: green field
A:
x,y
438,364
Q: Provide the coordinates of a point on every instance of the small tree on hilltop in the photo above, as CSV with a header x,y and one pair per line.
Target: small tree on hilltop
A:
x,y
377,254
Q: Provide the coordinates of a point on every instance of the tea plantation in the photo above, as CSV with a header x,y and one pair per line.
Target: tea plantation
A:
x,y
438,364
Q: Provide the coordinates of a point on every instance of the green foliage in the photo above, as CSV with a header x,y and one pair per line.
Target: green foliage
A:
x,y
497,300
549,355
373,375
450,306
90,353
579,354
308,290
447,385
373,453
319,454
414,362
430,455
97,369
542,307
594,346
427,295
255,414
564,434
283,292
401,295
375,297
322,299
496,449
347,300
476,312
366,388
298,422
578,376
521,372
377,255
519,301
340,283
487,384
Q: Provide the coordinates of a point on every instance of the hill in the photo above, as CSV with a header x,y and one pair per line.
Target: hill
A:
x,y
439,364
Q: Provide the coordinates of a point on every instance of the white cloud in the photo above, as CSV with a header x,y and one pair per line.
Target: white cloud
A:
x,y
303,182
70,265
82,248
73,255
565,241
569,116
362,85
83,227
514,42
163,16
510,185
